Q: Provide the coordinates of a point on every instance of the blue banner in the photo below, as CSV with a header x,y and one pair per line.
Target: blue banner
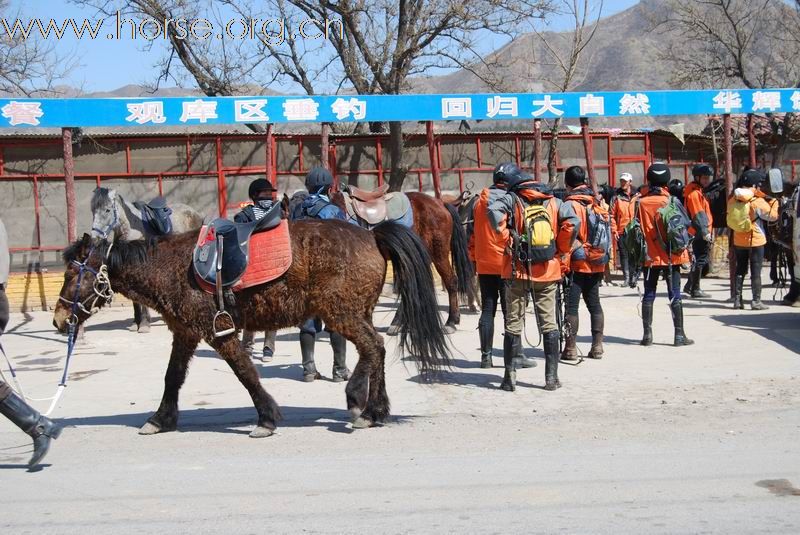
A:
x,y
115,112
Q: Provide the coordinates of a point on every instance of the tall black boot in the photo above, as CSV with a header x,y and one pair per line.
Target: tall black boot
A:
x,y
696,276
339,345
310,372
570,351
677,321
756,303
40,428
738,288
551,360
511,343
598,321
486,336
647,324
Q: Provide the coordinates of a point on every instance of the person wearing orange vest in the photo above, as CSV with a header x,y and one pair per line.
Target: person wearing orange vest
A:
x,y
620,216
487,249
585,276
659,263
539,279
749,245
702,225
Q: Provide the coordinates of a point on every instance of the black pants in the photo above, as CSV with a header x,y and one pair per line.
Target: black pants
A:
x,y
673,277
586,285
4,314
700,250
624,260
492,293
752,257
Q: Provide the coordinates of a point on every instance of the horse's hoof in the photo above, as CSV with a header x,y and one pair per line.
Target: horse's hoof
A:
x,y
393,330
355,412
149,428
144,328
449,329
133,327
362,423
261,432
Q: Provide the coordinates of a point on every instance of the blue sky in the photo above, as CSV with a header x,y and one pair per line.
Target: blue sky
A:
x,y
106,64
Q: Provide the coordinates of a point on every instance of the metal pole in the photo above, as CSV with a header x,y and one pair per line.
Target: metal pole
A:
x,y
537,149
587,148
728,147
751,139
437,185
269,167
69,184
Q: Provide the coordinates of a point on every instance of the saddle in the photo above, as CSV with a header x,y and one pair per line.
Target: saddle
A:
x,y
370,208
235,241
156,216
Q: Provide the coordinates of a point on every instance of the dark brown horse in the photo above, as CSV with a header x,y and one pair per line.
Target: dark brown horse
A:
x,y
336,274
439,227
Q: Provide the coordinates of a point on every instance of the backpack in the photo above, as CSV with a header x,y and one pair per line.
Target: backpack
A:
x,y
738,218
634,242
537,243
673,225
598,235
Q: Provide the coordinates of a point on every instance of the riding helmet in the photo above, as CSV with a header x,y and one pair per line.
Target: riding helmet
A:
x,y
257,186
658,174
751,178
510,174
318,178
702,169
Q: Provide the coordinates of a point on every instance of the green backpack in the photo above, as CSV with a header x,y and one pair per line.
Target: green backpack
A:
x,y
634,242
673,227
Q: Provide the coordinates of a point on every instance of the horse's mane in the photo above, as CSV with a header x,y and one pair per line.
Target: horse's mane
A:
x,y
123,253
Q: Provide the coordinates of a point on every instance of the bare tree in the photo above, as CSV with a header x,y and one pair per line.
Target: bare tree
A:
x,y
725,42
30,66
563,55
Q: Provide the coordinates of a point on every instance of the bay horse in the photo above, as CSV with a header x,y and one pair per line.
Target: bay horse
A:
x,y
439,227
114,216
159,274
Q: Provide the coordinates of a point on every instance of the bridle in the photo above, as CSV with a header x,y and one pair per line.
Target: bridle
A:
x,y
101,288
111,226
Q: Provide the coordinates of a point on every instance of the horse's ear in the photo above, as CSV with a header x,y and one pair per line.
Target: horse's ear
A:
x,y
86,239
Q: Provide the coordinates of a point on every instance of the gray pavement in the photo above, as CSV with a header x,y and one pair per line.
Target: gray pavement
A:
x,y
700,439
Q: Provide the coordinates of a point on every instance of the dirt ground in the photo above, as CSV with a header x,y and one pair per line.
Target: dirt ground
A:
x,y
701,439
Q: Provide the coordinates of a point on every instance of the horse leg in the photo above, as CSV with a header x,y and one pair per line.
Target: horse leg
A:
x,y
441,262
166,417
144,322
242,365
394,327
473,295
137,317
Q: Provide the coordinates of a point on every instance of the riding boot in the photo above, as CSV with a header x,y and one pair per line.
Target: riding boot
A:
x,y
688,288
310,372
511,343
40,428
756,303
647,324
339,345
738,288
570,351
248,342
596,352
486,336
551,361
677,321
696,276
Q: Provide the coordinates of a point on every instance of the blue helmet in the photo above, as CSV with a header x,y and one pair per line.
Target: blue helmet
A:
x,y
509,174
318,178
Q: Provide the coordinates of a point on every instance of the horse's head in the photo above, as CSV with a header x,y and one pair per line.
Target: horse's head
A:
x,y
86,285
106,213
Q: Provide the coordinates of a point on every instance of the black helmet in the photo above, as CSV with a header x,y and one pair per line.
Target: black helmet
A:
x,y
676,187
318,178
574,176
257,186
751,178
509,174
658,174
702,169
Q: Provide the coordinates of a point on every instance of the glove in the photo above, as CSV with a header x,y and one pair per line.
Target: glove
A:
x,y
709,238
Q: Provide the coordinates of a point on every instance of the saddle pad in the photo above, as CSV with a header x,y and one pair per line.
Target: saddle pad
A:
x,y
270,256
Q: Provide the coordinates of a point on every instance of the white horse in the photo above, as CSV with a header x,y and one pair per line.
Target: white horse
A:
x,y
112,215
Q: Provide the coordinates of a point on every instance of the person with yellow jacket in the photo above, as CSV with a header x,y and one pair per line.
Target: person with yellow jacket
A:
x,y
702,225
749,210
659,262
526,270
487,250
585,276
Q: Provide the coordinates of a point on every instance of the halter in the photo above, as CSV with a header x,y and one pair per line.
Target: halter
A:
x,y
111,226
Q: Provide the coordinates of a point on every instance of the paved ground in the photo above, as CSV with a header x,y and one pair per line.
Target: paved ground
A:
x,y
664,440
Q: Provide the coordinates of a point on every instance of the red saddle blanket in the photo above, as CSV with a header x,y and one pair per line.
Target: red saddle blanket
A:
x,y
269,257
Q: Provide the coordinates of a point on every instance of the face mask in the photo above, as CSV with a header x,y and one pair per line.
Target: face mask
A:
x,y
265,204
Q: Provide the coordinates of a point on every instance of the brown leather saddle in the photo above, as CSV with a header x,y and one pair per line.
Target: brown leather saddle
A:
x,y
371,206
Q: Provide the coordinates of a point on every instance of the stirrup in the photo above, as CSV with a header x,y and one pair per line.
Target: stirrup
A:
x,y
226,332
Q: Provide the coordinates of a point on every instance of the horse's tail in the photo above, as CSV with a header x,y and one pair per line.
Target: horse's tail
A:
x,y
458,250
421,330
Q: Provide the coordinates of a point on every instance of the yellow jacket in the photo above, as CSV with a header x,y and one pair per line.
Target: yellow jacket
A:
x,y
761,211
